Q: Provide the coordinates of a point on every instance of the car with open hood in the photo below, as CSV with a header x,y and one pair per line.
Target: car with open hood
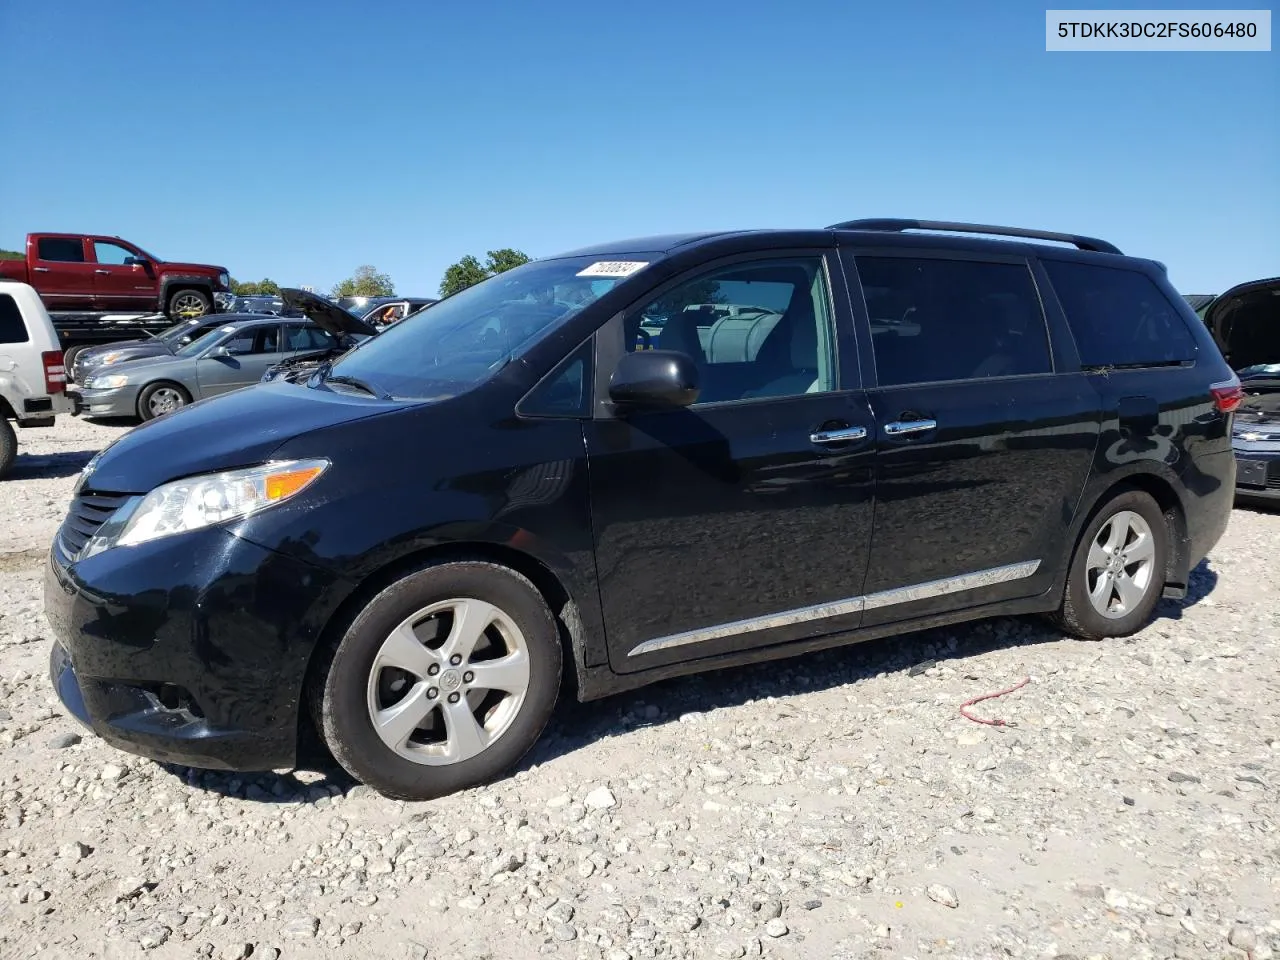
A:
x,y
416,549
346,329
1245,323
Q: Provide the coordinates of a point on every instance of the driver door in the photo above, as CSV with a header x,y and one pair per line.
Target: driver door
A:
x,y
249,353
745,519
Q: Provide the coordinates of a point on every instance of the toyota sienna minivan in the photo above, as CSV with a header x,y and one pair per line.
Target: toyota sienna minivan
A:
x,y
816,437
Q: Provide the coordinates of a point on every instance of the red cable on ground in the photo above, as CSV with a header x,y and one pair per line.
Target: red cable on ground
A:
x,y
991,696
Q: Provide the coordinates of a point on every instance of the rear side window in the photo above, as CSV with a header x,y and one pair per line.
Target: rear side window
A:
x,y
934,320
1119,317
12,329
60,249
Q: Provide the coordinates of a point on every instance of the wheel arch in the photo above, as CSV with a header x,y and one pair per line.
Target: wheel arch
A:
x,y
1162,490
557,597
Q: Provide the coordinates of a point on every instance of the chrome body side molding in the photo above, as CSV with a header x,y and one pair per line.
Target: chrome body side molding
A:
x,y
823,611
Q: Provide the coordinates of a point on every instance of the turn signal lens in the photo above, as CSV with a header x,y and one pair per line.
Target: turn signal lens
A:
x,y
281,485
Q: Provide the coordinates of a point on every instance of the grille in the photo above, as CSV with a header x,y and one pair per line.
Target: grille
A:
x,y
89,511
1273,474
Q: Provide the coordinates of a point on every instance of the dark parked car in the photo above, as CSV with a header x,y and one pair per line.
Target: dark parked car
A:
x,y
1256,437
92,359
403,550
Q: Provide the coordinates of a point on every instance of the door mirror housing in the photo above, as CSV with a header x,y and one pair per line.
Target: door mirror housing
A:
x,y
654,380
220,352
135,261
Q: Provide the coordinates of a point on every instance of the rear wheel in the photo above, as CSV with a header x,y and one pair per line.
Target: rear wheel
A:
x,y
1117,574
160,398
444,681
187,303
8,446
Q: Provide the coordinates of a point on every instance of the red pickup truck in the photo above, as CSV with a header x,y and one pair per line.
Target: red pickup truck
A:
x,y
73,271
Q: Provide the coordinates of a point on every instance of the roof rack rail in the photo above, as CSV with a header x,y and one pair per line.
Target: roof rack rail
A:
x,y
897,226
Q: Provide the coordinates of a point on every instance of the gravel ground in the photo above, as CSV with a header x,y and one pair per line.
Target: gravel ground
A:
x,y
831,806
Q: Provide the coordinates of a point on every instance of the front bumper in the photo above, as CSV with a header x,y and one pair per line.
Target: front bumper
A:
x,y
188,650
118,402
1257,470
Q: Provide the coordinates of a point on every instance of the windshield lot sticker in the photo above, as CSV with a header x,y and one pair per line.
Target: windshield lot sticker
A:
x,y
613,268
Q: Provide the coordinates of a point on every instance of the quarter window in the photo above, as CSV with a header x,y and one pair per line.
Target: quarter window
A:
x,y
754,330
1119,317
936,320
12,329
60,249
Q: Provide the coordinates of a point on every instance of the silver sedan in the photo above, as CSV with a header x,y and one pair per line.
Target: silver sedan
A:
x,y
228,357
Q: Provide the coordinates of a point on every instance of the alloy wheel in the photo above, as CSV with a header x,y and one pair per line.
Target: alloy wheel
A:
x,y
1120,565
188,305
448,681
165,400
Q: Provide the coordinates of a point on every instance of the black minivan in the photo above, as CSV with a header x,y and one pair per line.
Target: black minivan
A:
x,y
635,461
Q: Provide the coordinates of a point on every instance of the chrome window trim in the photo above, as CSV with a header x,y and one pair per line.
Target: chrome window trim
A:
x,y
837,608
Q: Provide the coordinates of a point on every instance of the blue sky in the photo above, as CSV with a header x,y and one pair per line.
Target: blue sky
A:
x,y
300,140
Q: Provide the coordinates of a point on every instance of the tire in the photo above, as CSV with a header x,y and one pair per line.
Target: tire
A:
x,y
1132,518
416,621
69,358
160,398
186,303
8,446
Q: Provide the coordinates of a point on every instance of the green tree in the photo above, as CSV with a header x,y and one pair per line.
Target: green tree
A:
x,y
249,288
12,255
469,271
365,282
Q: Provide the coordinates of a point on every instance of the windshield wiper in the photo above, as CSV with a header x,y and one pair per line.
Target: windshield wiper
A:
x,y
359,385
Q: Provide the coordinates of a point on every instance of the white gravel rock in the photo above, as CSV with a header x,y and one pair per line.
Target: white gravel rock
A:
x,y
823,806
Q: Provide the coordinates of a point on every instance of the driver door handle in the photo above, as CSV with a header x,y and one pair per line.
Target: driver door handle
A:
x,y
842,435
906,428
108,272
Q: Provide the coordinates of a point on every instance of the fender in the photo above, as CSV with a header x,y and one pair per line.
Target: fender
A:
x,y
195,281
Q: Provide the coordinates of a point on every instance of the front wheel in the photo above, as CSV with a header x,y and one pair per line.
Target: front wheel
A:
x,y
443,682
1117,573
185,304
160,398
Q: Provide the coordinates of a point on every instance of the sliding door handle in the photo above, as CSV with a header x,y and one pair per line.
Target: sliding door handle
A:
x,y
906,428
841,435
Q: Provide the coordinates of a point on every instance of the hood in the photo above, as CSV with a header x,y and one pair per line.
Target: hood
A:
x,y
128,350
176,266
325,313
237,429
1245,323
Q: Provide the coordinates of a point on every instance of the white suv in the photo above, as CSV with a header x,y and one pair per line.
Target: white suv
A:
x,y
33,380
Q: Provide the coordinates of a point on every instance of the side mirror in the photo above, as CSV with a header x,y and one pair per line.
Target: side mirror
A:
x,y
220,352
654,379
135,262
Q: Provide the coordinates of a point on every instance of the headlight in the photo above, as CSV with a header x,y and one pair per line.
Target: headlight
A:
x,y
106,383
224,280
199,502
107,358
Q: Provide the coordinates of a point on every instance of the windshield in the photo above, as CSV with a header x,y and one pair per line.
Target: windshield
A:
x,y
200,344
464,339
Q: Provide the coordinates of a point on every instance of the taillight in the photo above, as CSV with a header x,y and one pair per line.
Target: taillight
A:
x,y
1227,395
55,374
